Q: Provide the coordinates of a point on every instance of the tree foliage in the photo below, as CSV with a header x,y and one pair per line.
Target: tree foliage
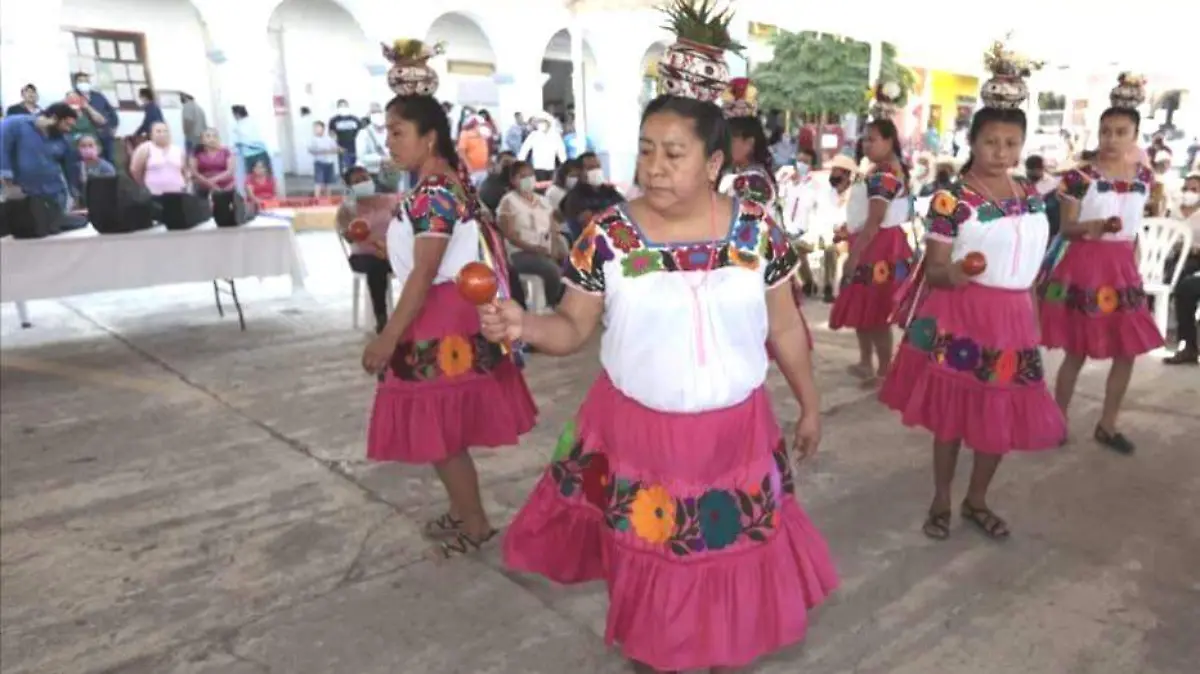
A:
x,y
813,74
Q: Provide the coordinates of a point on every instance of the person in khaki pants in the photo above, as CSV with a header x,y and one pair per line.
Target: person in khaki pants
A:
x,y
831,214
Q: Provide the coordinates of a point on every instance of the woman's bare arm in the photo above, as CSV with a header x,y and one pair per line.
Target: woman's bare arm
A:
x,y
137,164
789,342
427,257
569,328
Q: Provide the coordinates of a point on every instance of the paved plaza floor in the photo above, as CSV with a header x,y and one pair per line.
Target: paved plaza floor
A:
x,y
179,497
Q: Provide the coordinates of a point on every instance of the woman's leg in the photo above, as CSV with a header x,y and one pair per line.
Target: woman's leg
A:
x,y
545,269
1187,298
461,481
883,350
1115,388
1068,375
378,273
866,346
975,508
945,461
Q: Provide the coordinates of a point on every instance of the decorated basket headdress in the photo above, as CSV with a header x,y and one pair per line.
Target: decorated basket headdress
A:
x,y
694,67
410,73
1006,89
740,99
1130,91
887,93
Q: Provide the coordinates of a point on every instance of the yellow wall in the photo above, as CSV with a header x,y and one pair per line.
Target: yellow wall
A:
x,y
947,88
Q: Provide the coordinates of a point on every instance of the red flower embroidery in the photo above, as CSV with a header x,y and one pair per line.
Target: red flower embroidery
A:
x,y
623,236
595,480
693,258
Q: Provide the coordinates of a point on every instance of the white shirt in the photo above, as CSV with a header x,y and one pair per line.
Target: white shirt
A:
x,y
323,149
1100,198
665,347
404,229
798,203
555,195
542,150
370,148
878,185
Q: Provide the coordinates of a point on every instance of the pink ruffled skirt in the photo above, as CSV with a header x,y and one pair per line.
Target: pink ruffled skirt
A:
x,y
1092,303
866,299
969,369
691,521
447,389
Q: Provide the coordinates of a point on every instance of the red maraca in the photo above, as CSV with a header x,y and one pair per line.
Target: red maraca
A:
x,y
1112,225
358,230
477,283
974,264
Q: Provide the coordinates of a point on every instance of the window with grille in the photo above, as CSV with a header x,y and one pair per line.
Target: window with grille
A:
x,y
115,60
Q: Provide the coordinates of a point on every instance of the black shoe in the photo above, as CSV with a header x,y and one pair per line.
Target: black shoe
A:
x,y
1183,357
809,289
1114,441
828,298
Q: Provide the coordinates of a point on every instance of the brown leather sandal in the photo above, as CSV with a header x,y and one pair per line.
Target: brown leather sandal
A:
x,y
987,521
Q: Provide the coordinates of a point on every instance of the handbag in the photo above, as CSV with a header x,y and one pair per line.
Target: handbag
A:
x,y
117,205
229,208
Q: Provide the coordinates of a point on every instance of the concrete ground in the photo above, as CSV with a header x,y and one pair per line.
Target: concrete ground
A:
x,y
179,497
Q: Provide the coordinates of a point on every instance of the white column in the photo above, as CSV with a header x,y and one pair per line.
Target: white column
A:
x,y
579,78
875,65
243,65
32,51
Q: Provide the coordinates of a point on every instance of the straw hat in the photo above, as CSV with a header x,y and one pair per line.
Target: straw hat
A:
x,y
843,162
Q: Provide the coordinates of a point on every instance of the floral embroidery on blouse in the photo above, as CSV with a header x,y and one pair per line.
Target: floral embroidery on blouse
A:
x,y
682,524
965,355
753,184
755,242
951,207
435,206
1076,182
884,185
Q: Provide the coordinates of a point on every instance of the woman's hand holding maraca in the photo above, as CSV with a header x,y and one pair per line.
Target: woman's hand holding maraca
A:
x,y
502,321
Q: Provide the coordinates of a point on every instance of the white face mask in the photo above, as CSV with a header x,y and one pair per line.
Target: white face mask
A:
x,y
364,189
572,181
343,108
595,177
84,87
526,184
377,118
1189,199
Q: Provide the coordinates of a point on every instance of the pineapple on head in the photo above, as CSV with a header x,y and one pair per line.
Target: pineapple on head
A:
x,y
700,22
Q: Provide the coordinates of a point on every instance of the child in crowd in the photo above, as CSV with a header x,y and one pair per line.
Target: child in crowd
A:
x,y
91,165
324,150
260,185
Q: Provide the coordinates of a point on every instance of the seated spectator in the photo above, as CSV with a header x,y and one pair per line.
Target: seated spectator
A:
x,y
495,186
159,165
527,222
565,179
369,257
260,185
91,165
36,160
592,195
214,166
1187,290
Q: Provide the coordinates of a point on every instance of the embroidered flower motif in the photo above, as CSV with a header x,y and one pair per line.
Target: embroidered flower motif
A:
x,y
944,204
720,519
595,479
624,236
696,257
1055,292
743,258
1005,367
1107,299
881,273
962,354
583,252
922,334
566,441
454,356
641,262
740,184
746,234
653,514
603,252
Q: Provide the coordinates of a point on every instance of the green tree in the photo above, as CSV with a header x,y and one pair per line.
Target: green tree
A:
x,y
892,71
812,74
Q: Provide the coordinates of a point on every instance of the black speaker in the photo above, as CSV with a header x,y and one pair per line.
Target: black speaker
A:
x,y
117,205
32,217
181,210
228,208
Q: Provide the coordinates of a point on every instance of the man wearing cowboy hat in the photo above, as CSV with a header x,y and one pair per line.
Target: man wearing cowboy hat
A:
x,y
543,149
830,217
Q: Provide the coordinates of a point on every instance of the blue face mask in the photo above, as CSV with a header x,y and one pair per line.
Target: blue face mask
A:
x,y
802,168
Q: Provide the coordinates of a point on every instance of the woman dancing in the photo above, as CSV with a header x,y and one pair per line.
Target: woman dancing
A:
x,y
880,257
969,369
750,176
1093,304
673,484
444,388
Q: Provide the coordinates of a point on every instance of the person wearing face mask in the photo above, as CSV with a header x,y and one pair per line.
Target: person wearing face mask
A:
x,y
496,184
369,257
371,152
543,150
830,216
797,204
473,149
590,195
1187,290
527,222
97,116
36,160
345,128
566,178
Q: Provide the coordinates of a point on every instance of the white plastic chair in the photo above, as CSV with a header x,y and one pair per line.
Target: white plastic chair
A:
x,y
535,293
356,289
1159,237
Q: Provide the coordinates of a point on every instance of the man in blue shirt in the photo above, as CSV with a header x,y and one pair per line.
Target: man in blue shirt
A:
x,y
36,156
98,117
153,113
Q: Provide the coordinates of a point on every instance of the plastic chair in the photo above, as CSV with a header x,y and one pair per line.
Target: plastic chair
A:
x,y
535,294
1159,238
356,289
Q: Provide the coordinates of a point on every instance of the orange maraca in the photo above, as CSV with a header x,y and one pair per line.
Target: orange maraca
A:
x,y
477,283
358,230
974,264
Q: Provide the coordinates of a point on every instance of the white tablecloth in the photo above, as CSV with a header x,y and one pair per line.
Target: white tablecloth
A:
x,y
85,261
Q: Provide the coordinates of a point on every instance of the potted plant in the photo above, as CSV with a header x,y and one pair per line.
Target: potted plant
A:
x,y
695,65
